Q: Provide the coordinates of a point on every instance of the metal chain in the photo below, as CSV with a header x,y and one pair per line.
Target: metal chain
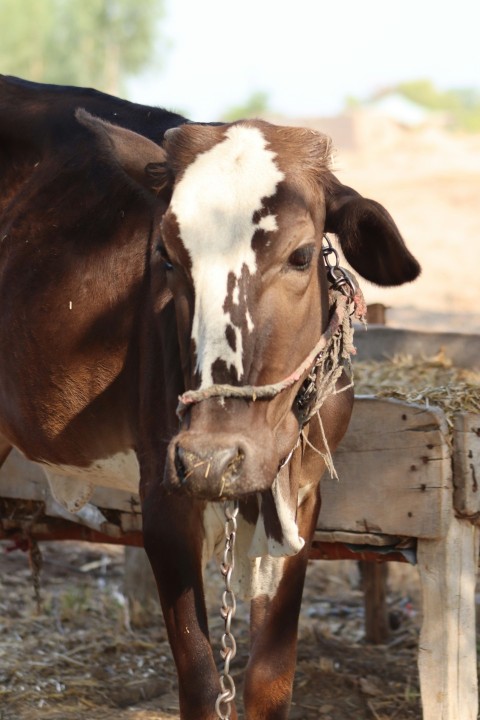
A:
x,y
223,705
337,276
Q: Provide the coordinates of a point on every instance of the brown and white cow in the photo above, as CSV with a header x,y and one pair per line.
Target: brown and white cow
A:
x,y
131,273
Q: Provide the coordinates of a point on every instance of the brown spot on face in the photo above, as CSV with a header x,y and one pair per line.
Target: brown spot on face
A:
x,y
221,374
239,292
269,207
231,337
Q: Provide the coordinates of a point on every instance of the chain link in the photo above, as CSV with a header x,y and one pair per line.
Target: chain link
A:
x,y
337,276
223,705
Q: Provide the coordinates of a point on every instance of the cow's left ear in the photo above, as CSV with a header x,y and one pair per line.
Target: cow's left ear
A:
x,y
369,238
136,154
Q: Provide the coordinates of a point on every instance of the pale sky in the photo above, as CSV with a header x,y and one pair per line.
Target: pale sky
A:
x,y
307,55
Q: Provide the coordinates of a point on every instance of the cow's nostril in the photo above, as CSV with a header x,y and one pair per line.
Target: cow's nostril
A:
x,y
181,464
189,463
233,467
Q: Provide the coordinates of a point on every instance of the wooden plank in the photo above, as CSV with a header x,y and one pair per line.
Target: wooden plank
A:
x,y
373,539
379,342
466,465
395,474
340,551
20,478
58,529
447,646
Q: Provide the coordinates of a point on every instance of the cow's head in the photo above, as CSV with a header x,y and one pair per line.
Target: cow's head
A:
x,y
241,242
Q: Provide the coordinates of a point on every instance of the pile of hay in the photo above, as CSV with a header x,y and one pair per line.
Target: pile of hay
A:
x,y
428,381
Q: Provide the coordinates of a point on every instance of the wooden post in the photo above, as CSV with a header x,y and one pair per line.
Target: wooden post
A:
x,y
447,647
140,587
374,585
375,575
377,314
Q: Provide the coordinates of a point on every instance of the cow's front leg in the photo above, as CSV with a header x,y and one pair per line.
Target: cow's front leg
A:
x,y
274,627
173,535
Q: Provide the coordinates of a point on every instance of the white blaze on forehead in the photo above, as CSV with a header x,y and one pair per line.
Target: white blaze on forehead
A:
x,y
214,204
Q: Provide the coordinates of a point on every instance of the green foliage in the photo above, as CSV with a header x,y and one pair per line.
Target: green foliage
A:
x,y
257,104
78,42
462,105
352,102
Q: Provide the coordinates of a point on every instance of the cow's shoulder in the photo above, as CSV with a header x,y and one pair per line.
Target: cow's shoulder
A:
x,y
54,171
45,114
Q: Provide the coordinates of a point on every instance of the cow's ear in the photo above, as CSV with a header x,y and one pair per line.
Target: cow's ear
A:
x,y
139,157
369,238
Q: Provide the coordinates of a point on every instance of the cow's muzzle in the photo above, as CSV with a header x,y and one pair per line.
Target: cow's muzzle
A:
x,y
216,466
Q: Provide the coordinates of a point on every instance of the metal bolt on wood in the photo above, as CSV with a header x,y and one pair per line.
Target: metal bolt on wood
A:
x,y
223,705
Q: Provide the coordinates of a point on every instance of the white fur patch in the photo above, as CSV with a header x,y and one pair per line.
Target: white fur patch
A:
x,y
259,560
252,576
268,223
73,487
214,204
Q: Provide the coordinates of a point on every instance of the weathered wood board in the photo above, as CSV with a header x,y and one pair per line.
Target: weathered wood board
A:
x,y
447,645
378,343
20,478
466,463
395,473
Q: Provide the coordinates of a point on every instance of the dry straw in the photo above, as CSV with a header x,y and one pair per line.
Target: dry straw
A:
x,y
429,381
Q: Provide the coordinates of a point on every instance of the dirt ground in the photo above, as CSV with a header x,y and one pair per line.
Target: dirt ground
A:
x,y
78,658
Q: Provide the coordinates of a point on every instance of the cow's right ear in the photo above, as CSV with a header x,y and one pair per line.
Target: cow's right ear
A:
x,y
139,157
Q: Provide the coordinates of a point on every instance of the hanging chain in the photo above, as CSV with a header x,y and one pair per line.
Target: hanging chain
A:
x,y
337,276
223,705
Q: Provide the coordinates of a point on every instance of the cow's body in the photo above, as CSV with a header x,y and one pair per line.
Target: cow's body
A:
x,y
113,306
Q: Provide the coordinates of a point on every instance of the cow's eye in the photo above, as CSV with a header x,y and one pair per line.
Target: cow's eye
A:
x,y
167,263
301,258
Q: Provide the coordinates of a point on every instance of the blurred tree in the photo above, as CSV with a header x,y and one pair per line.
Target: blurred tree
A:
x,y
78,42
462,105
424,92
257,104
